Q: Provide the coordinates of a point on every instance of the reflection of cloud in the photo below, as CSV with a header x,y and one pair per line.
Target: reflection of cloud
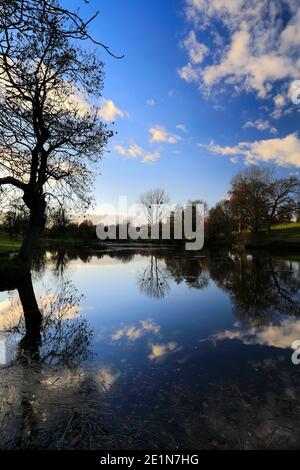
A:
x,y
280,336
64,378
106,378
8,347
133,333
10,313
158,351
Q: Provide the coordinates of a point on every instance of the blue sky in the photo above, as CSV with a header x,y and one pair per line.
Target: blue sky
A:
x,y
204,89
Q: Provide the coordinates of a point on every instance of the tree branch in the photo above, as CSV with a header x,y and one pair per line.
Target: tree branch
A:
x,y
12,181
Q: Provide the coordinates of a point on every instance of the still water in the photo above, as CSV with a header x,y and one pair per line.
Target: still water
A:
x,y
153,350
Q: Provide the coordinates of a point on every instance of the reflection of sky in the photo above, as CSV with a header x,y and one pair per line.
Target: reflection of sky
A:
x,y
133,332
280,336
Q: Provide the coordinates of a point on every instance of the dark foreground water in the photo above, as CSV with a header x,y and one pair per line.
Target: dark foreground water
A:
x,y
154,350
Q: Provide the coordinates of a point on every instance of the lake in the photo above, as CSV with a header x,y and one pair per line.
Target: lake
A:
x,y
154,349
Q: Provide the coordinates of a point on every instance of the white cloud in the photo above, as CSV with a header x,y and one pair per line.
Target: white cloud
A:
x,y
182,128
260,47
284,151
189,73
151,102
279,101
121,150
135,151
260,125
196,50
109,111
159,134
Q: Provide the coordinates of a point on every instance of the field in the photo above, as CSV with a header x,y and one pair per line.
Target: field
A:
x,y
285,236
6,244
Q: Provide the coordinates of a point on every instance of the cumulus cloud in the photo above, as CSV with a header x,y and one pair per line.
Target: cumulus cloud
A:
x,y
260,45
284,151
196,50
189,73
159,134
260,125
135,151
109,111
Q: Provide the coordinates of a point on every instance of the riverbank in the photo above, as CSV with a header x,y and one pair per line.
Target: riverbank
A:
x,y
7,245
281,237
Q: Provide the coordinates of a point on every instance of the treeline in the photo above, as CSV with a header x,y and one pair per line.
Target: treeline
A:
x,y
59,226
256,201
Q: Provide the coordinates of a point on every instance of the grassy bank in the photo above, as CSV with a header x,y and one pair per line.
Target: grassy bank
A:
x,y
280,237
6,244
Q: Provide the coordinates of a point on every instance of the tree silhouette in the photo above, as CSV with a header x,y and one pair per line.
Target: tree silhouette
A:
x,y
50,131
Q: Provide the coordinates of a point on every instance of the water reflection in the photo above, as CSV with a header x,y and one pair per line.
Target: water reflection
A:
x,y
153,280
193,352
261,287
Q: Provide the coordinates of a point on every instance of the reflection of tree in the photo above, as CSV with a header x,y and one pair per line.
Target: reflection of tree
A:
x,y
260,287
191,270
59,258
153,281
54,334
63,335
123,256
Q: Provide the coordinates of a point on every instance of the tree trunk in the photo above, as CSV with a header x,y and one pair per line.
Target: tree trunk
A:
x,y
33,317
37,221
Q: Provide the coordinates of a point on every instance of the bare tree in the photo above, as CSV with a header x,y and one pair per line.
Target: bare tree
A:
x,y
18,14
283,196
154,204
249,197
262,200
50,131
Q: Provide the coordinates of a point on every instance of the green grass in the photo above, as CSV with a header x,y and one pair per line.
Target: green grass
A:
x,y
6,244
281,236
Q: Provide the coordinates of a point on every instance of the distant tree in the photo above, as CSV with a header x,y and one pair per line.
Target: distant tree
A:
x,y
59,222
50,131
154,203
249,197
221,221
297,212
259,200
283,197
87,230
15,221
196,204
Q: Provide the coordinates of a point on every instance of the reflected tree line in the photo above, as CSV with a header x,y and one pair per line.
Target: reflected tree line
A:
x,y
260,287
